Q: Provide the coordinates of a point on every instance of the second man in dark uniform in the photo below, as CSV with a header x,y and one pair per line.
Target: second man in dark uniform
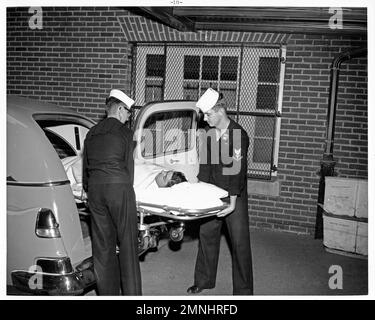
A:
x,y
224,164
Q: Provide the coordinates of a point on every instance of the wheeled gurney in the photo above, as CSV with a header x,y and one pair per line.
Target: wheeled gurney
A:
x,y
175,217
158,208
149,228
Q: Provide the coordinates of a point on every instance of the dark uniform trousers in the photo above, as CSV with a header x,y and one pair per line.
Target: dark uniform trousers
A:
x,y
237,222
114,221
209,246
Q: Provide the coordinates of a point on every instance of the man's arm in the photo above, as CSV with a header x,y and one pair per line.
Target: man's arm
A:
x,y
229,209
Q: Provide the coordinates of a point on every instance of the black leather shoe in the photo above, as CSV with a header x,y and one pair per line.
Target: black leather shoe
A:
x,y
194,289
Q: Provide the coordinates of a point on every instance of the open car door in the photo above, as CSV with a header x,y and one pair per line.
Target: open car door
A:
x,y
166,135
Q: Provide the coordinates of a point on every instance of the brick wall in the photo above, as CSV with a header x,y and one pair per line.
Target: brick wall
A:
x,y
81,53
303,129
138,28
78,56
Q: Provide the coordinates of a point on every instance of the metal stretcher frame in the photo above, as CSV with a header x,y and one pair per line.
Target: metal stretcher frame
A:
x,y
171,215
182,214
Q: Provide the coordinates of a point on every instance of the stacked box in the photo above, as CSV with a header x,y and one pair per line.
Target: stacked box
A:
x,y
362,238
346,235
346,213
346,197
361,208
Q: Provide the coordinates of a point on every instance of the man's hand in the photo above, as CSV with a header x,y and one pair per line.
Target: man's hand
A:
x,y
193,180
227,211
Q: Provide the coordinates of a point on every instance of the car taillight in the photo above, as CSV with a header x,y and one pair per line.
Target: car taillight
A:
x,y
55,265
46,224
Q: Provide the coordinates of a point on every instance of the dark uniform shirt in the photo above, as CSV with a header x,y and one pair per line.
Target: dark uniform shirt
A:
x,y
226,165
108,154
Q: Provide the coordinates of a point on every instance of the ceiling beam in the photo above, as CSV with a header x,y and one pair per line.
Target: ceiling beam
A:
x,y
165,15
279,26
276,13
256,19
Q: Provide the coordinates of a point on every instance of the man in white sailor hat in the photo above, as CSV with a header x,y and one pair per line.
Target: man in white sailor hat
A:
x,y
229,172
115,102
108,175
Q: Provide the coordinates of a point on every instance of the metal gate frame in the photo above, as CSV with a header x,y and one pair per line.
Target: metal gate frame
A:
x,y
276,114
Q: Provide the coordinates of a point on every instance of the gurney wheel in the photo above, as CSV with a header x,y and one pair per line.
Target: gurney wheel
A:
x,y
143,242
176,234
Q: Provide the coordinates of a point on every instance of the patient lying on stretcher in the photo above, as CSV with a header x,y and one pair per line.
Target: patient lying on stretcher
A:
x,y
155,185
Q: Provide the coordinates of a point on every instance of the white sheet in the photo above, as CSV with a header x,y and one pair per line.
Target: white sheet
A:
x,y
73,169
184,195
144,175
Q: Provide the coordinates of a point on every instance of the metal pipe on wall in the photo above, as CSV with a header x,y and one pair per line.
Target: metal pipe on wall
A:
x,y
327,164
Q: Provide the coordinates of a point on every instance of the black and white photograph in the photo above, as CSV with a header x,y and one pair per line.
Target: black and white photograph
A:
x,y
187,150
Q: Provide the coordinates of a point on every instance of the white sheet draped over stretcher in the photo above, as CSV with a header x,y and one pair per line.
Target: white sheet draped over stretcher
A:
x,y
184,195
73,169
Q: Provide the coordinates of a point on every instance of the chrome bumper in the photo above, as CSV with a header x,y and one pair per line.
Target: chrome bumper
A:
x,y
73,283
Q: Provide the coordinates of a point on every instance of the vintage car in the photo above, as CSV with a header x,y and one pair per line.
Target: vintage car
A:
x,y
48,244
48,233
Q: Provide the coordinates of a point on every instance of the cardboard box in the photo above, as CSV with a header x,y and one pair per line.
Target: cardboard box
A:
x,y
362,239
346,197
339,234
361,208
348,235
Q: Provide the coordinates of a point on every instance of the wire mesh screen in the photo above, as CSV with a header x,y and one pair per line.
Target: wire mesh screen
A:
x,y
247,76
260,152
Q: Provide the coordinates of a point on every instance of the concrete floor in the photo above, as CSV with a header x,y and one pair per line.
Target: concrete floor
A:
x,y
284,264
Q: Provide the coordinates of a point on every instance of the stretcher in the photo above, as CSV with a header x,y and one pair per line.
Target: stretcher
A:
x,y
158,209
173,217
154,218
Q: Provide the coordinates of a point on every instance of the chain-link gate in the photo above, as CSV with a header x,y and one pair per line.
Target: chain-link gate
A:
x,y
248,76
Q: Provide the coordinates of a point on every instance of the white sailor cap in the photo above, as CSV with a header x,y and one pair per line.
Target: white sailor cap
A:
x,y
208,100
119,95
